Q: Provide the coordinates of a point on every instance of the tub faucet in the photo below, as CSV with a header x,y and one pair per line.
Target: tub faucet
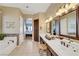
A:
x,y
12,41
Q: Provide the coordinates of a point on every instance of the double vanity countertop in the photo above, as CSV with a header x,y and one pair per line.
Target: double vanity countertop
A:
x,y
61,50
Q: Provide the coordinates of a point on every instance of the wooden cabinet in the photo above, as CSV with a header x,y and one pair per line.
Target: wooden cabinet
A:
x,y
50,51
41,41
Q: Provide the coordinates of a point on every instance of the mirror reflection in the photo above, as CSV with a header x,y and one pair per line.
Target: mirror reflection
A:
x,y
48,27
68,24
55,27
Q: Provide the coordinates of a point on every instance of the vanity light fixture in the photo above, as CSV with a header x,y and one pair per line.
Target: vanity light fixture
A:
x,y
46,21
60,11
65,8
49,19
74,6
58,14
66,11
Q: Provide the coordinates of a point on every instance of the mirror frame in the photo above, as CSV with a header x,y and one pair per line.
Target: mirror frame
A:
x,y
48,27
56,21
77,25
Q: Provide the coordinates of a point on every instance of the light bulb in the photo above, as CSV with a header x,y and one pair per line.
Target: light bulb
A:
x,y
66,11
50,18
74,7
58,14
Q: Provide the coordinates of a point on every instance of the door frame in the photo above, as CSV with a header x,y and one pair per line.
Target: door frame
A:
x,y
34,29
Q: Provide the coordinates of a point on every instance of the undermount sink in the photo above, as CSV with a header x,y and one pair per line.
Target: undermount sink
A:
x,y
65,50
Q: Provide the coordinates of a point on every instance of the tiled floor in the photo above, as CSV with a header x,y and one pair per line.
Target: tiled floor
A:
x,y
28,48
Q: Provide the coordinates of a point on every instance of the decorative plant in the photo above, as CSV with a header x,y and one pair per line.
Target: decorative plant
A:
x,y
2,36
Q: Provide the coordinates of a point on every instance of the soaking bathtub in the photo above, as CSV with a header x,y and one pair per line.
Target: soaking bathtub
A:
x,y
7,45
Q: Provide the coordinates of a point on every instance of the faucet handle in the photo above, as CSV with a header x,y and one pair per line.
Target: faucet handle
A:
x,y
67,45
62,43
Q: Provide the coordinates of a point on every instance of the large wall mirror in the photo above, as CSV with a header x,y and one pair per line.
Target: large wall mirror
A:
x,y
55,26
68,24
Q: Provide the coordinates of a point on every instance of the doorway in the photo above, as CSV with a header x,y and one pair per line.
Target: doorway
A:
x,y
28,27
36,30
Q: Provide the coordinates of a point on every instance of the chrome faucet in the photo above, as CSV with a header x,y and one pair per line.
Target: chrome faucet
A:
x,y
64,44
70,41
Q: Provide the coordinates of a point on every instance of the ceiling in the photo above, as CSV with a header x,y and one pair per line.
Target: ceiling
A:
x,y
28,8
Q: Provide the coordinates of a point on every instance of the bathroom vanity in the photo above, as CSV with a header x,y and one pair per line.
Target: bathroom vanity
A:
x,y
67,26
57,47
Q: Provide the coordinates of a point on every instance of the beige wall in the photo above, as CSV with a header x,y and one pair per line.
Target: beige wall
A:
x,y
11,14
34,17
41,17
27,16
42,24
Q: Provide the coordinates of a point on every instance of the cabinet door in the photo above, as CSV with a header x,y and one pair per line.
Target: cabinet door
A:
x,y
51,52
